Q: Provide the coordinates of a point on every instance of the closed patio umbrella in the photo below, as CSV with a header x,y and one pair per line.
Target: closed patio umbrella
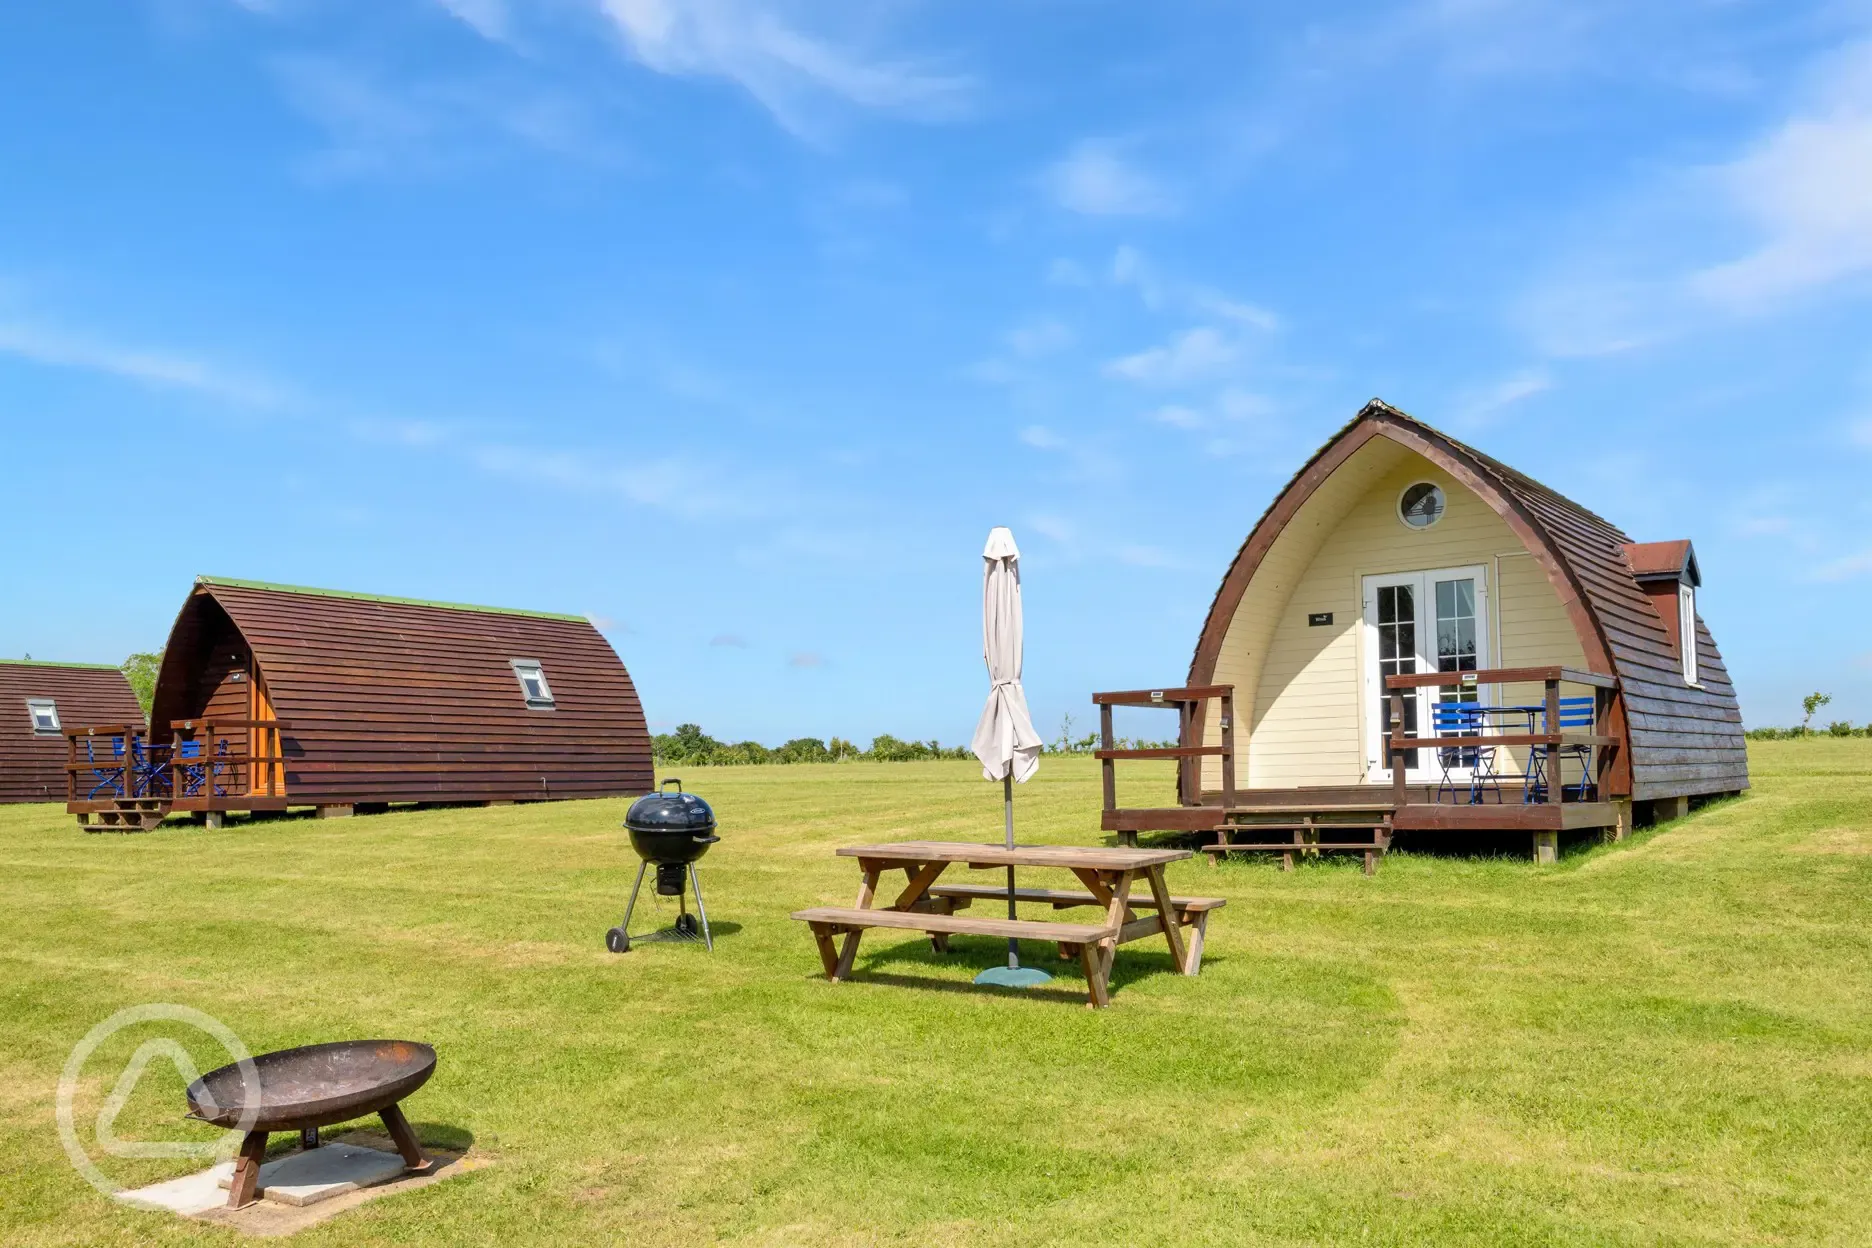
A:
x,y
1005,740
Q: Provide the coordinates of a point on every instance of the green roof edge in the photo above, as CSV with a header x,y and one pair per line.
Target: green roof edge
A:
x,y
233,583
86,667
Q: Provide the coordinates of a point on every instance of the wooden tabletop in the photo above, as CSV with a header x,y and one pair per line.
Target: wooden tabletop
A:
x,y
1098,858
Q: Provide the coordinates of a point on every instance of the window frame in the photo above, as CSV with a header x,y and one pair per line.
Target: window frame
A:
x,y
1397,509
1687,632
522,669
34,706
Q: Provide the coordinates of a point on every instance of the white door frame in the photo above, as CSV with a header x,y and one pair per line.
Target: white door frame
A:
x,y
1423,587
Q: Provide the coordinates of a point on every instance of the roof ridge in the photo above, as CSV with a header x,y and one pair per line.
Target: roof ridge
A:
x,y
89,667
273,587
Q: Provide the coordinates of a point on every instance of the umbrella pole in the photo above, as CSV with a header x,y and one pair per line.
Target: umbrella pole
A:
x,y
1007,810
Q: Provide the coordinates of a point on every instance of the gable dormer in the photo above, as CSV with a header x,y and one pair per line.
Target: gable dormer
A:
x,y
1667,572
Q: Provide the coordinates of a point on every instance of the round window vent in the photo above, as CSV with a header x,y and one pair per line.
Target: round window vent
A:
x,y
1421,505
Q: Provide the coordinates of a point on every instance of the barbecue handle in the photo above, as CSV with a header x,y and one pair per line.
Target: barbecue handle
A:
x,y
672,780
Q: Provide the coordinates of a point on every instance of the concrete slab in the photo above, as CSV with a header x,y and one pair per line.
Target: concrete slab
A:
x,y
190,1194
332,1170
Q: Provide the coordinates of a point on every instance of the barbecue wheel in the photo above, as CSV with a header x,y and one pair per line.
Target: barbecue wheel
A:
x,y
617,940
686,924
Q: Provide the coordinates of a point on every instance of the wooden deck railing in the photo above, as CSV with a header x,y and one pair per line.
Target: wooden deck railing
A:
x,y
1188,703
246,757
1605,688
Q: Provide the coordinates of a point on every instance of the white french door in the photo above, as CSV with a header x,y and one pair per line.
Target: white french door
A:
x,y
1414,622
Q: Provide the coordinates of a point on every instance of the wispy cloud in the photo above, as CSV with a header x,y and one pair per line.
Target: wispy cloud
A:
x,y
155,367
1042,337
805,658
730,641
378,123
488,18
1193,355
1096,179
1799,192
1139,556
1484,404
1847,568
766,51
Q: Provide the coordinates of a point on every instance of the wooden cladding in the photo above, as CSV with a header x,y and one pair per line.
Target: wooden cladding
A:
x,y
32,764
397,702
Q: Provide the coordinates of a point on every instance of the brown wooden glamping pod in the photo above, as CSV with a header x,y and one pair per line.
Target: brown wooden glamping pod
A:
x,y
312,697
37,700
1415,637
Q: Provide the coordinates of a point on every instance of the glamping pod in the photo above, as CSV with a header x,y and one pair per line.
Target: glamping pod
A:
x,y
1418,637
273,696
37,700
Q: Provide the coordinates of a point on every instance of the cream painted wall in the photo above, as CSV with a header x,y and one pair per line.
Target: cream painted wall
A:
x,y
1307,724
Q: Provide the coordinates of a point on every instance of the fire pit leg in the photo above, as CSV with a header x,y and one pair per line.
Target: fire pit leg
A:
x,y
405,1138
243,1188
708,941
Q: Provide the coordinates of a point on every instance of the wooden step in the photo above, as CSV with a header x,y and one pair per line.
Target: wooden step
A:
x,y
1290,847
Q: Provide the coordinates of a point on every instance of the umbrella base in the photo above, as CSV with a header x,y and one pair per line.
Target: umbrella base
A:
x,y
1013,977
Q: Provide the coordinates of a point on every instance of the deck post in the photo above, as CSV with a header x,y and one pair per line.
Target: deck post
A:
x,y
1393,754
337,811
211,819
1556,787
1108,767
1546,847
1228,751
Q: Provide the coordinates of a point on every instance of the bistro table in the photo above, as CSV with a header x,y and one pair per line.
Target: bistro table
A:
x,y
1107,875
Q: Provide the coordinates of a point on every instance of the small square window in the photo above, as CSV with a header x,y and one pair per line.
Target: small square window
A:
x,y
45,720
532,678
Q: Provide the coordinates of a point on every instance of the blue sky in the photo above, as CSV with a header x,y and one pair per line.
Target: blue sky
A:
x,y
737,323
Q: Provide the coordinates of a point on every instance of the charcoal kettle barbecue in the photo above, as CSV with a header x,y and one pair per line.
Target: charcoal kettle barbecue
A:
x,y
671,831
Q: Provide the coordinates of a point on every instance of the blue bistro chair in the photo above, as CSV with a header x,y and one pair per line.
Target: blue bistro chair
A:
x,y
1463,719
199,773
1576,714
108,773
147,776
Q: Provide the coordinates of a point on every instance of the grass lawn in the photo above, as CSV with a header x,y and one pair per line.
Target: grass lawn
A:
x,y
1669,1041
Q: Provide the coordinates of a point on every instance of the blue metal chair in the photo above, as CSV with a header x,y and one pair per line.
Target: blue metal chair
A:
x,y
147,776
199,773
1463,719
1576,714
109,773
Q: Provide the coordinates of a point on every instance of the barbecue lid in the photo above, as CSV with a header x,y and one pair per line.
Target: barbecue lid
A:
x,y
670,812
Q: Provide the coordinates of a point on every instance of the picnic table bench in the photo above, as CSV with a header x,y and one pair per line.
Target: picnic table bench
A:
x,y
1107,875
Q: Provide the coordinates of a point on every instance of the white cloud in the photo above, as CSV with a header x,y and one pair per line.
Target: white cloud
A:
x,y
1064,272
730,641
788,70
805,658
1179,417
1807,187
1039,338
1055,528
1859,433
1042,438
1483,405
146,366
1192,355
1096,180
1131,270
1849,568
488,18
1664,263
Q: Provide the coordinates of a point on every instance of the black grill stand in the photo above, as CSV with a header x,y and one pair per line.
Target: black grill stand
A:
x,y
618,940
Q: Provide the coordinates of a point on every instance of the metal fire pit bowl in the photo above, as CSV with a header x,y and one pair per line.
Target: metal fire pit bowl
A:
x,y
307,1088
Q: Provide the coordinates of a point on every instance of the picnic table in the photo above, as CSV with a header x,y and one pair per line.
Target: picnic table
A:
x,y
1106,874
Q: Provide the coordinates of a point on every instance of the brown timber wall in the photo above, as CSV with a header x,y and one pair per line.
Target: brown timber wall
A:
x,y
397,702
32,767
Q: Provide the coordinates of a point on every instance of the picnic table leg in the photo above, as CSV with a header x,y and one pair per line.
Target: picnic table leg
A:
x,y
1098,993
1166,912
1116,916
1192,961
828,952
866,891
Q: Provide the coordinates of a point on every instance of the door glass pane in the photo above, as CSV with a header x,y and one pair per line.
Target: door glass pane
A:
x,y
1456,649
1397,655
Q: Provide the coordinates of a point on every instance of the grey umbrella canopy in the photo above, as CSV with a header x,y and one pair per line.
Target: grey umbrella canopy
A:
x,y
1005,740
